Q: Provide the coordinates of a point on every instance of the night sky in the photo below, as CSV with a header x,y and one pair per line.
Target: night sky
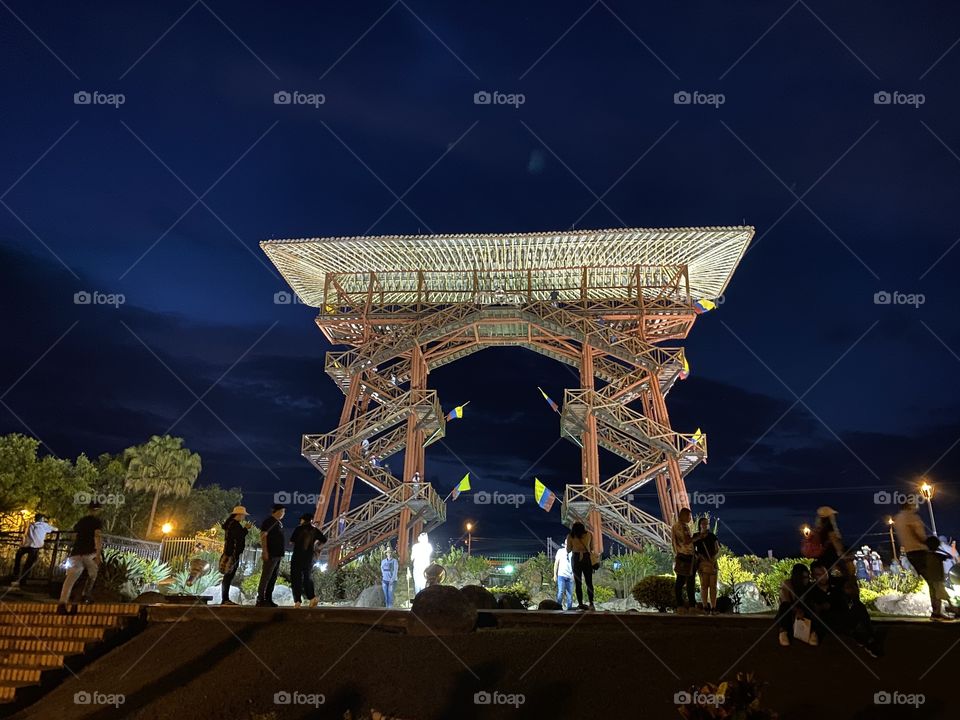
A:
x,y
810,392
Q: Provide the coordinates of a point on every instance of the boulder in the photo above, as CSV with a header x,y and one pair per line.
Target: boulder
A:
x,y
371,597
441,610
479,597
750,599
549,605
916,604
283,595
510,602
619,605
214,593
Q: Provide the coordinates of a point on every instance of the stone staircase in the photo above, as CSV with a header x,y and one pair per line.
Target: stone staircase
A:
x,y
38,646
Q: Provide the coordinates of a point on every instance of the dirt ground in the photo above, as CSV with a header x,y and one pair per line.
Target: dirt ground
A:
x,y
218,667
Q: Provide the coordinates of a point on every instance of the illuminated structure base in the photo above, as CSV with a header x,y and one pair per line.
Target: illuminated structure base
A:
x,y
600,301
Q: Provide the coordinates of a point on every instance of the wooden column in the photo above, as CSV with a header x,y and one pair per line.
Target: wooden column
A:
x,y
413,460
590,457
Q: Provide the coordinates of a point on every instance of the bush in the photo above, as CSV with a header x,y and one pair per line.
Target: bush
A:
x,y
886,583
602,593
655,591
517,590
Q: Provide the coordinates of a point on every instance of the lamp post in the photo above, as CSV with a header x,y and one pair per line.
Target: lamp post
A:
x,y
926,489
893,543
805,530
469,537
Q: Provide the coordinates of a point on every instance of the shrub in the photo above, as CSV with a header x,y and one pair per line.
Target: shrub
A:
x,y
517,590
907,583
200,585
602,593
730,571
655,591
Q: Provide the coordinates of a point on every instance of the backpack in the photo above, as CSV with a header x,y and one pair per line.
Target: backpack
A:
x,y
811,547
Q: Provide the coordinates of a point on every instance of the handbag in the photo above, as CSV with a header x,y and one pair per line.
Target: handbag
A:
x,y
801,629
595,560
227,563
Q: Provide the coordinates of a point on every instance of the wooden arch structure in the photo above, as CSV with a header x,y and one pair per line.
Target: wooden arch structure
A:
x,y
601,301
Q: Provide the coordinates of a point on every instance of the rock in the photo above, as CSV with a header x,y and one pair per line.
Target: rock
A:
x,y
371,597
916,604
214,593
150,597
442,610
283,595
619,605
479,597
434,574
750,599
549,605
510,602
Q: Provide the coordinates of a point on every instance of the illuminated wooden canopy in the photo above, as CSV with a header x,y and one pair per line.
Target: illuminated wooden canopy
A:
x,y
448,265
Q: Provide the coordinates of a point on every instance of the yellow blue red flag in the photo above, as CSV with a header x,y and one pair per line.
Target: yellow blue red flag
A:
x,y
462,486
551,403
543,495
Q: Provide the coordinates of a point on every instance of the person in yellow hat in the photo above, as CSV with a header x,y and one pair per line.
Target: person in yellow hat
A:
x,y
235,529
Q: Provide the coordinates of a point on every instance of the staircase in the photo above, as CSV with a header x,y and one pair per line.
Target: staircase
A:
x,y
38,646
627,523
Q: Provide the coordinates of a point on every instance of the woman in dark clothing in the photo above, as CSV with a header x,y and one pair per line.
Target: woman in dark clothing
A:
x,y
579,542
235,538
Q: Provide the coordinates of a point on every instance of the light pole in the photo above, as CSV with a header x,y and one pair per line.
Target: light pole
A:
x,y
805,530
469,537
926,489
893,544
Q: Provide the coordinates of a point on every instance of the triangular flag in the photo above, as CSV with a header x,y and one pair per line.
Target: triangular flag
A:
x,y
543,495
551,403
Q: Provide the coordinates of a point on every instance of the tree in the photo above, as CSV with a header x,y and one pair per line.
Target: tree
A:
x,y
161,466
202,509
51,485
124,516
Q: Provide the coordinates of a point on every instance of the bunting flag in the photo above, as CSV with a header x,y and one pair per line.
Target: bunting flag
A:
x,y
704,306
543,495
685,370
457,412
551,403
462,486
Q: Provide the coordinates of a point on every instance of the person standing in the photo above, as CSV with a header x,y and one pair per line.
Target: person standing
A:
x,y
834,551
420,556
235,530
579,542
684,564
33,538
86,554
937,579
706,547
913,540
389,569
563,577
271,543
304,540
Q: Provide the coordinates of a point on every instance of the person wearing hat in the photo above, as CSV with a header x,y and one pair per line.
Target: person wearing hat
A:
x,y
832,542
272,545
85,555
234,541
304,540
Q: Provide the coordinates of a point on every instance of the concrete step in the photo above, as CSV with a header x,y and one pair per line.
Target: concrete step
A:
x,y
64,647
32,659
60,632
8,690
82,609
84,620
19,673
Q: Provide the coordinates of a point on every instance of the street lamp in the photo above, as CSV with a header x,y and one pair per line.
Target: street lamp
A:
x,y
469,527
805,530
166,528
926,489
893,544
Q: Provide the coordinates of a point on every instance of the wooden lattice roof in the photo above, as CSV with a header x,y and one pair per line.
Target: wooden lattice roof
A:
x,y
711,254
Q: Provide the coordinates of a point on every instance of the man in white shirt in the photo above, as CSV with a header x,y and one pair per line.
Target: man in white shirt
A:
x,y
33,538
420,555
563,577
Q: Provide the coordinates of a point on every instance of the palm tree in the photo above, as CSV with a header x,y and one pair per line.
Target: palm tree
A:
x,y
161,466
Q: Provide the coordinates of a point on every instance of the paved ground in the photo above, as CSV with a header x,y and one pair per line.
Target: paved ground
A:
x,y
231,663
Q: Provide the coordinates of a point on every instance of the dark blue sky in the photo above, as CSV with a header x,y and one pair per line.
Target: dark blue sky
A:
x,y
164,200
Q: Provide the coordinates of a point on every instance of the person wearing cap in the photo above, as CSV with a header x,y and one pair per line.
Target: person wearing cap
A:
x,y
234,541
33,538
272,545
304,540
85,555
